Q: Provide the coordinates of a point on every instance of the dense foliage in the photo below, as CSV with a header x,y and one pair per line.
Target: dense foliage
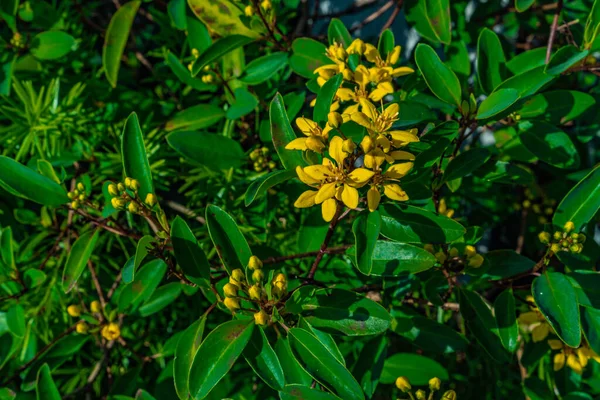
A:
x,y
299,199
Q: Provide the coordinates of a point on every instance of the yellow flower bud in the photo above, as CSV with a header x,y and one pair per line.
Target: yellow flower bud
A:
x,y
255,292
75,204
150,199
230,290
403,384
334,119
258,276
544,237
470,251
237,277
95,306
74,311
81,327
581,238
249,11
195,53
133,208
576,248
442,206
111,331
266,4
135,185
71,195
526,204
440,256
207,78
81,197
348,146
254,263
569,226
557,235
476,261
449,395
232,303
435,383
555,248
261,318
453,252
280,282
190,66
117,202
127,182
120,187
421,395
80,187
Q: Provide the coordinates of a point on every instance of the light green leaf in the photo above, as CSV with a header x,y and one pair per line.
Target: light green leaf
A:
x,y
338,33
15,320
527,83
497,103
393,259
263,68
431,18
308,55
223,17
78,258
197,117
145,283
564,59
245,102
51,45
116,39
293,372
161,298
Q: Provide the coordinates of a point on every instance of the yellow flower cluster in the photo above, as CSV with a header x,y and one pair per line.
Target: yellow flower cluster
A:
x,y
78,196
121,198
260,159
456,259
403,384
576,359
565,240
110,330
540,206
534,322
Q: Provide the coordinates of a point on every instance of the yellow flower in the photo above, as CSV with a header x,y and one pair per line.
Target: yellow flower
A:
x,y
356,47
444,210
435,383
249,11
576,359
111,331
261,318
150,199
386,67
336,53
81,327
533,321
316,137
387,181
333,181
363,77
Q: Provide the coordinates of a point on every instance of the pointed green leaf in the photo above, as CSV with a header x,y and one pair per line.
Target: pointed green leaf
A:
x,y
527,83
293,372
549,143
393,259
304,392
145,283
431,18
581,203
161,298
282,134
264,362
326,340
564,59
52,45
224,17
78,258
116,39
338,33
366,232
466,163
188,345
263,68
491,63
308,55
325,97
369,366
189,255
214,151
133,151
506,320
229,242
218,49
195,118
497,103
45,387
441,80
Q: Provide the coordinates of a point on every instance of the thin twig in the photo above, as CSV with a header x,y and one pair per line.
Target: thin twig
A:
x,y
373,16
336,250
392,17
553,30
328,236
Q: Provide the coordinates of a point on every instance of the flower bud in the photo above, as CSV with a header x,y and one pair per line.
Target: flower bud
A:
x,y
440,256
470,251
544,237
71,195
195,53
557,235
266,4
476,261
564,243
133,207
255,292
254,263
111,331
348,146
449,395
117,202
249,11
429,248
403,384
435,383
421,395
207,78
150,199
74,311
237,277
232,303
453,252
128,182
95,306
81,327
569,226
334,119
135,185
230,290
80,187
576,248
258,276
81,197
75,204
261,318
120,187
574,236
280,282
555,248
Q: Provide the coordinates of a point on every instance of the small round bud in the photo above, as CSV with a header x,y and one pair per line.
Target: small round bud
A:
x,y
548,211
150,199
569,226
420,394
258,276
555,248
574,236
453,252
574,248
544,237
74,311
195,53
75,193
261,318
81,327
557,235
232,303
71,195
272,165
207,78
435,383
120,187
348,146
249,11
449,395
403,384
440,256
255,292
237,277
80,187
470,251
133,208
266,4
476,261
75,204
81,197
564,243
254,263
230,290
526,204
334,119
280,282
264,150
254,155
117,202
135,185
128,182
111,331
95,306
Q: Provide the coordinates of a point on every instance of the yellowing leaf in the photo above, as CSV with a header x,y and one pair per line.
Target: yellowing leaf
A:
x,y
222,16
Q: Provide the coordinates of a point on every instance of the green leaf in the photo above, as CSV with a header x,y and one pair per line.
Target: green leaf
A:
x,y
505,172
428,334
15,320
496,103
51,45
189,255
367,369
133,151
217,354
188,345
302,392
590,324
263,68
581,203
183,74
523,5
223,17
549,144
440,79
325,338
466,163
392,259
176,10
308,55
556,299
527,60
229,242
7,248
431,18
197,117
418,369
282,134
24,182
45,168
386,43
78,258
338,33
264,362
491,63
481,323
141,251
558,106
564,59
218,49
506,320
592,25
587,287
45,387
527,83
116,39
214,151
325,97
293,372
411,224
245,102
322,366
261,185
506,263
145,283
366,231
161,298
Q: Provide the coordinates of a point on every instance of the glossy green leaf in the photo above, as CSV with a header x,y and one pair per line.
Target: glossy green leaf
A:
x,y
523,5
431,18
264,362
482,325
78,258
304,392
229,242
592,25
505,172
506,320
282,134
218,49
145,283
392,259
161,298
217,354
325,98
322,366
386,42
263,68
24,182
188,253
292,370
418,369
51,45
196,117
506,263
223,17
411,224
590,324
15,320
260,186
587,287
527,60
564,59
496,103
245,102
367,369
581,203
558,106
308,55
45,387
428,334
116,39
338,33
491,63
209,149
133,151
366,232
176,10
441,80
556,299
183,74
142,249
45,168
187,346
549,144
466,163
527,83
326,340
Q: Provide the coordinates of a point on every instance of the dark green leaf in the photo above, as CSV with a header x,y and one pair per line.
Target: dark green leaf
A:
x,y
558,106
189,255
293,372
145,283
465,163
245,102
176,10
440,79
15,320
162,297
496,103
590,323
308,55
549,143
506,263
587,287
581,203
209,149
133,151
418,369
264,362
302,392
369,365
197,117
45,387
506,320
491,63
229,241
325,97
428,334
523,5
326,340
393,259
282,134
564,58
188,345
116,39
431,18
505,172
78,258
218,49
263,68
183,74
261,185
366,232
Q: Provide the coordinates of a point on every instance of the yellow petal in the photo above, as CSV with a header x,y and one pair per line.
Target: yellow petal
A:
x,y
369,109
350,197
374,159
400,155
306,199
336,150
574,364
315,143
394,55
402,138
555,344
359,177
526,318
383,143
361,76
362,120
345,94
540,332
328,209
306,125
399,170
391,111
371,53
318,172
304,177
401,71
394,192
559,361
350,110
334,106
367,144
373,198
583,356
327,191
297,144
383,89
